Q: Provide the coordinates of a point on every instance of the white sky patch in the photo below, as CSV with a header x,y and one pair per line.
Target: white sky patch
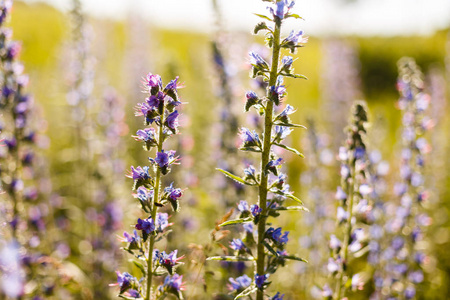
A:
x,y
323,17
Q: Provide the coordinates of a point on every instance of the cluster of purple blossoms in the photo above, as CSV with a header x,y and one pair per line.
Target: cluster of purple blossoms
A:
x,y
404,257
266,247
353,197
159,110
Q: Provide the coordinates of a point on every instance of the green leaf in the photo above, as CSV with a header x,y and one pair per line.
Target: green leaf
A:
x,y
293,257
237,221
294,16
251,149
289,125
292,208
290,196
293,150
234,177
139,266
264,17
231,258
295,76
271,250
251,289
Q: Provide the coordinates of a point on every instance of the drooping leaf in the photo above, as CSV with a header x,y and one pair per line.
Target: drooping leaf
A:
x,y
294,16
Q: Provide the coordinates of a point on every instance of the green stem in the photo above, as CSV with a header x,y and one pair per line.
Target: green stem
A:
x,y
265,155
351,190
151,243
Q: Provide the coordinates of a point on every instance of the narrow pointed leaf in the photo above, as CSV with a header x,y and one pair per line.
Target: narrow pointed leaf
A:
x,y
264,17
293,150
139,266
290,125
294,16
293,257
231,258
237,221
234,177
292,208
271,250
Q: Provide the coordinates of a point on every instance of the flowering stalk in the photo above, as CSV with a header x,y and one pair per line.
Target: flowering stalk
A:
x,y
270,243
406,259
351,194
159,109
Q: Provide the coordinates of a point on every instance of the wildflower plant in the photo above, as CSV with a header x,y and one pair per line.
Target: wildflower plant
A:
x,y
160,112
350,240
263,243
406,258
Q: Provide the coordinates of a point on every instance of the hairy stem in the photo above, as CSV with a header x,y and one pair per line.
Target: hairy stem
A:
x,y
265,155
151,243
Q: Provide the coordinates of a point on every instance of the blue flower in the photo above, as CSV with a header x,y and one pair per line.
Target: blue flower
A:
x,y
146,135
257,61
250,138
277,235
124,281
173,193
243,206
237,244
296,38
173,284
146,225
281,132
153,80
139,173
173,84
260,280
162,221
240,283
172,121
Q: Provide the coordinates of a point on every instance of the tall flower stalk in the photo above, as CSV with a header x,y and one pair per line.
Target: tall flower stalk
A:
x,y
159,110
407,226
352,196
271,183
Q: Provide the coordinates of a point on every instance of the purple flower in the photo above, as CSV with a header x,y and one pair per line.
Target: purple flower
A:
x,y
172,85
153,80
250,138
260,280
173,193
124,281
257,61
173,283
335,243
237,244
146,225
139,173
342,214
243,206
248,227
284,115
281,132
282,8
133,293
251,95
255,210
296,38
168,260
163,159
132,239
340,194
172,120
277,235
240,283
162,221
